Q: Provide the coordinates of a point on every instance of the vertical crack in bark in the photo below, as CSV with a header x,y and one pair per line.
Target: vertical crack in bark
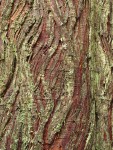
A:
x,y
110,120
10,78
19,145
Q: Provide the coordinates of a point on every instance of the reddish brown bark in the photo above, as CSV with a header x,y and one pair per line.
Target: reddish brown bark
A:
x,y
56,75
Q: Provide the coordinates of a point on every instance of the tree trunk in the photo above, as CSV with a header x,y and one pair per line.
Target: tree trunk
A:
x,y
56,75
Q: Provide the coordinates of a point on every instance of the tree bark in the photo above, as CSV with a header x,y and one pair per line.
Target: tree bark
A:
x,y
56,75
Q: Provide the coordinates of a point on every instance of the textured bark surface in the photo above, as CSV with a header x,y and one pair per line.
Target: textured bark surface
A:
x,y
56,75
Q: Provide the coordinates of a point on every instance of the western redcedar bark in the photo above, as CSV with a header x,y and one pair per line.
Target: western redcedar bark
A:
x,y
56,75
